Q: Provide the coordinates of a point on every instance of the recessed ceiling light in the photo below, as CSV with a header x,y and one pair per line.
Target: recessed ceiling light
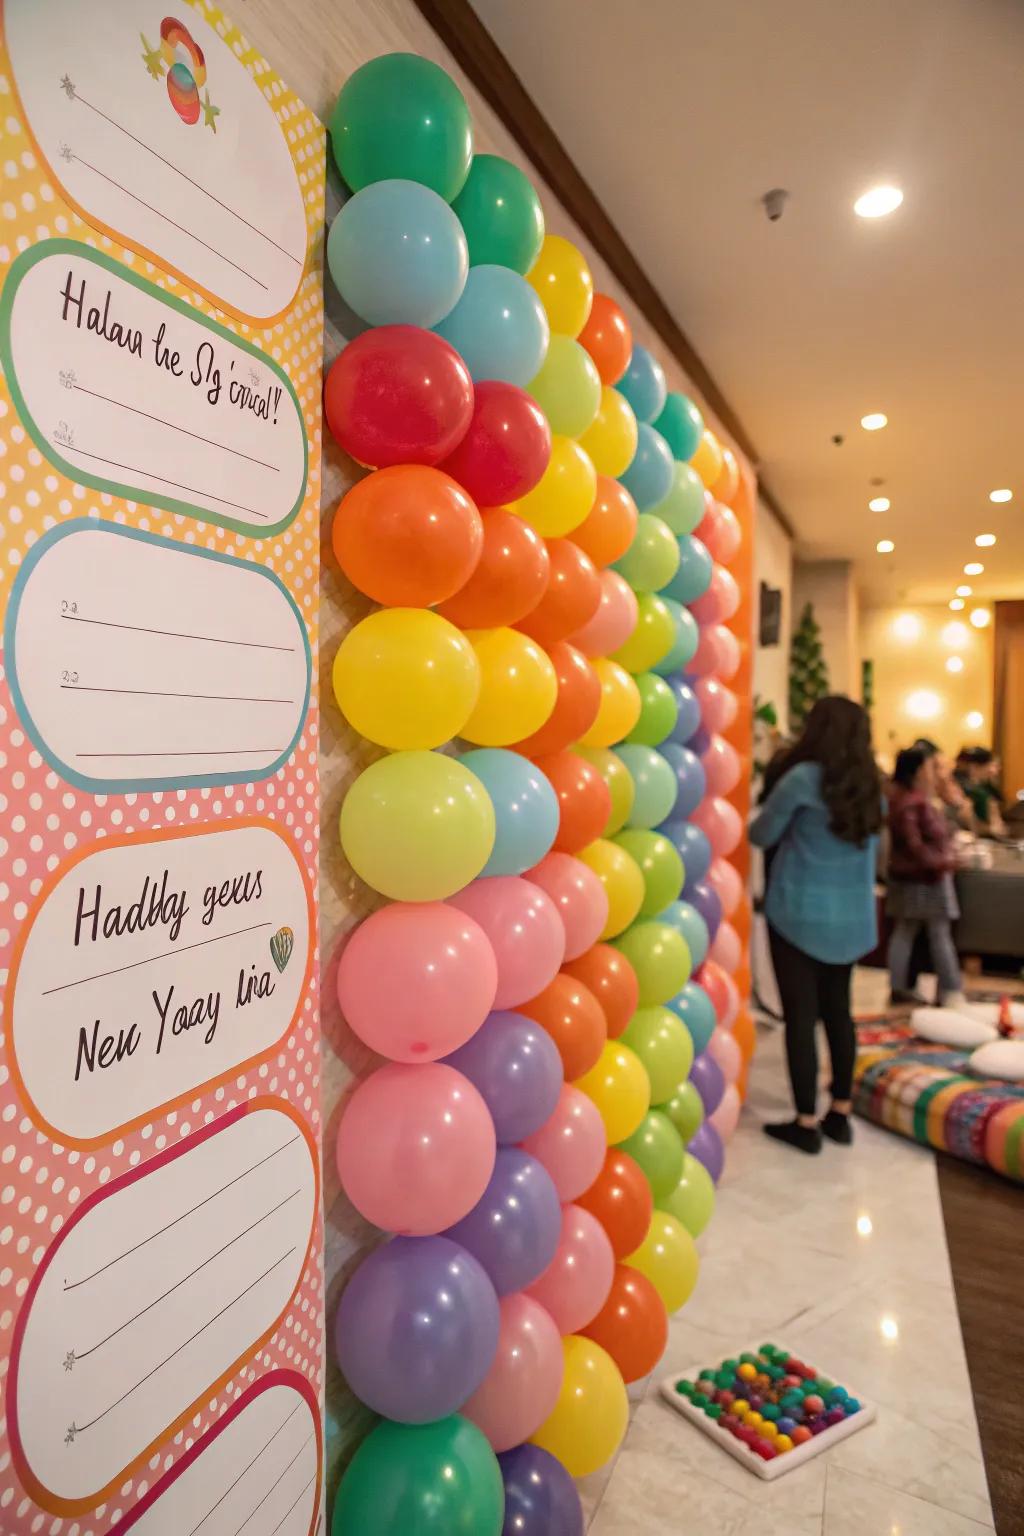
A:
x,y
1003,495
955,664
957,604
956,636
985,540
876,202
973,568
906,626
975,720
874,421
885,546
964,591
923,704
981,618
879,504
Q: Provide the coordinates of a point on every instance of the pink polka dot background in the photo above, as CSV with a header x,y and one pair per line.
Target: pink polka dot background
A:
x,y
43,819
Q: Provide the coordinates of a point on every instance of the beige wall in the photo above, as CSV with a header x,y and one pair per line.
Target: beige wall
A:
x,y
910,647
773,563
830,587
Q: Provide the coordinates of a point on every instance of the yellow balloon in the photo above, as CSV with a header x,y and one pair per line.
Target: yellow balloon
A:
x,y
518,688
618,1084
611,440
565,493
568,387
406,678
668,1257
708,461
623,883
590,1418
561,277
653,637
619,709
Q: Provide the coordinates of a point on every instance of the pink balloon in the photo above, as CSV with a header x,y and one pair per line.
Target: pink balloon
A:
x,y
707,658
576,1283
718,820
720,531
728,652
722,990
726,949
416,980
614,621
727,1116
522,1386
720,601
571,1145
726,880
580,897
725,1049
719,706
416,1148
524,928
721,766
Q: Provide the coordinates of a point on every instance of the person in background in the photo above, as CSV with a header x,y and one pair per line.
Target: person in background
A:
x,y
949,795
982,790
821,819
921,892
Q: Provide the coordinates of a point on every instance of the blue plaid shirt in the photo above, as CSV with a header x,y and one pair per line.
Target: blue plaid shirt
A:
x,y
821,893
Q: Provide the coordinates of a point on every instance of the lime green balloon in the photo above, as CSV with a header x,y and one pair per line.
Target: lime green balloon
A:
x,y
653,638
619,781
652,559
654,782
568,387
683,507
439,1479
664,1046
661,958
400,116
662,869
417,826
657,1146
501,215
692,1202
686,1110
659,711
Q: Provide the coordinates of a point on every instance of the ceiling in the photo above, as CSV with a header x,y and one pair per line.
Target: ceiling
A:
x,y
681,114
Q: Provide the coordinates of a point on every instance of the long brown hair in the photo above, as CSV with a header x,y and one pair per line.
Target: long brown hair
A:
x,y
837,735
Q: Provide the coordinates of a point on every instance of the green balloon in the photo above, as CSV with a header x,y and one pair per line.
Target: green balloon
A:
x,y
655,786
619,781
400,116
683,507
662,869
681,425
658,711
661,958
693,1199
568,387
501,215
439,1479
658,1148
664,1046
686,1110
652,559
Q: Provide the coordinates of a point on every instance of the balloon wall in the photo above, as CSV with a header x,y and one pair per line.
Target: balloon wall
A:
x,y
552,680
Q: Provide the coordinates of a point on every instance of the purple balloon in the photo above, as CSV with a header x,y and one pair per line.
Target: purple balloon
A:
x,y
700,741
706,1147
416,1329
688,719
540,1496
515,1227
515,1065
690,776
706,900
709,1080
692,846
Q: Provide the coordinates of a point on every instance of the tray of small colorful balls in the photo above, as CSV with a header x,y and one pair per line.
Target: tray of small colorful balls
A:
x,y
768,1409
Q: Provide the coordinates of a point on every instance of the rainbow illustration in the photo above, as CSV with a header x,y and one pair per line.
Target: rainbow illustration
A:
x,y
181,59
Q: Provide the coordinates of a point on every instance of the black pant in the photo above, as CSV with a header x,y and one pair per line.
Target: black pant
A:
x,y
811,990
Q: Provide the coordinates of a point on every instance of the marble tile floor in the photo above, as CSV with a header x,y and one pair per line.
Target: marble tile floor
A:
x,y
843,1259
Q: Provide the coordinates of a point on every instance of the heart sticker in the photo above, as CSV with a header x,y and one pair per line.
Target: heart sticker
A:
x,y
281,946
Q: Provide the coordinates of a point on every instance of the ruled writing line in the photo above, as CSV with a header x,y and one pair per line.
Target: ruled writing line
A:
x,y
159,693
283,1425
276,1484
167,953
176,634
133,469
220,752
163,422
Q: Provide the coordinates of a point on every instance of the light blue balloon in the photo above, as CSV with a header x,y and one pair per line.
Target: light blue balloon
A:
x,y
693,577
688,921
499,326
526,811
649,476
684,646
654,784
693,1006
643,385
691,780
688,720
398,255
692,846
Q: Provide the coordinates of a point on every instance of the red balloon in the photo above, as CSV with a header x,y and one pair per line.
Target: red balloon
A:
x,y
572,1016
584,799
609,527
715,983
510,578
608,338
398,395
407,536
572,596
576,707
613,982
620,1197
632,1326
506,448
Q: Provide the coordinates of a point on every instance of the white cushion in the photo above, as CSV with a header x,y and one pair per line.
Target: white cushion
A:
x,y
988,1013
1001,1059
944,1027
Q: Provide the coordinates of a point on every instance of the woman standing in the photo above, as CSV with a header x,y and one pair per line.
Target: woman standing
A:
x,y
921,892
822,819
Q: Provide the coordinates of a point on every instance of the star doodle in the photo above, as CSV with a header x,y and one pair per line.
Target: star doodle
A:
x,y
152,58
210,112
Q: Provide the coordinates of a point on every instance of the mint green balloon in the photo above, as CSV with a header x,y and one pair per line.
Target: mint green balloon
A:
x,y
692,1202
652,559
684,647
663,1045
660,956
400,117
439,1479
655,786
681,425
501,214
686,1110
684,506
659,711
656,1145
662,869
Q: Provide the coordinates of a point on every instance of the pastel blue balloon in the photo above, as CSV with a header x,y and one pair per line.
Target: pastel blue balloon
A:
x,y
499,326
654,784
691,780
693,1006
649,476
526,811
398,255
689,716
692,846
688,921
685,644
643,385
693,577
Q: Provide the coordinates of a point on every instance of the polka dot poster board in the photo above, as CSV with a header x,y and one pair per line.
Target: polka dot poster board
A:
x,y
767,1408
161,317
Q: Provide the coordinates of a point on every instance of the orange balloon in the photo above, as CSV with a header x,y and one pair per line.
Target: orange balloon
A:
x,y
576,707
510,579
584,799
608,529
608,338
572,1016
408,536
613,982
621,1200
572,597
632,1325
728,482
745,1035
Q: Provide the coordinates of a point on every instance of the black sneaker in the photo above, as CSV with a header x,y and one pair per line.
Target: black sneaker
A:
x,y
900,999
806,1138
837,1128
